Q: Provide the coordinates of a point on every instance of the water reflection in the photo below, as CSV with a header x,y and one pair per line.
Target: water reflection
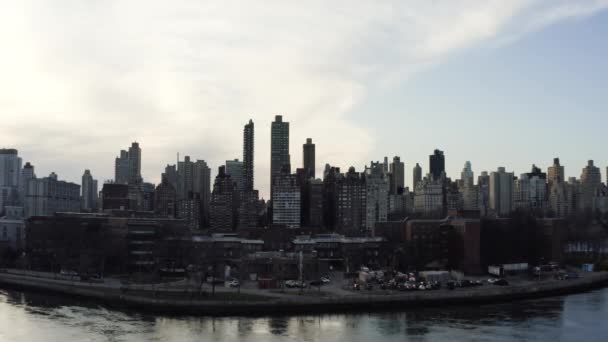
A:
x,y
34,317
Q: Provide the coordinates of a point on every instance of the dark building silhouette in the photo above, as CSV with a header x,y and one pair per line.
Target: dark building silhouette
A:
x,y
116,197
397,176
309,158
279,148
223,202
247,215
331,177
417,175
437,164
165,198
352,199
248,149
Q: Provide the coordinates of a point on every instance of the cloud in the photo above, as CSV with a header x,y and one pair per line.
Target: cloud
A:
x,y
81,80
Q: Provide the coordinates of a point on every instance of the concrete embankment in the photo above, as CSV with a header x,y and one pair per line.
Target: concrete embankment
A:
x,y
113,295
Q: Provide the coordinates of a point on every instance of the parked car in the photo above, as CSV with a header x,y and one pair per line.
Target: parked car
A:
x,y
316,283
572,275
291,284
234,283
501,282
325,280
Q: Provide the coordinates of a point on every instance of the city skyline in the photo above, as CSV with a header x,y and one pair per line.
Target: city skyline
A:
x,y
408,171
506,64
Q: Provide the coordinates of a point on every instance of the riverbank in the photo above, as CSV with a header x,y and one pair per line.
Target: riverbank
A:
x,y
169,299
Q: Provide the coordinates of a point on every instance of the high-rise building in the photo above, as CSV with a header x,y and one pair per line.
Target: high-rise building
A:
x,y
121,168
279,149
171,174
222,213
470,192
309,158
531,190
417,175
331,179
429,197
483,186
194,188
202,185
248,156
247,215
501,192
48,195
185,178
165,198
235,169
27,173
147,191
377,188
127,167
314,198
10,178
437,164
352,201
249,206
467,176
397,176
135,164
591,181
286,200
89,192
555,174
189,210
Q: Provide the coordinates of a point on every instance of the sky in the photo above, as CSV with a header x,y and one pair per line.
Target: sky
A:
x,y
499,83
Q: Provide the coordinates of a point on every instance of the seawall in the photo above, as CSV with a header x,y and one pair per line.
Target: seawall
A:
x,y
361,301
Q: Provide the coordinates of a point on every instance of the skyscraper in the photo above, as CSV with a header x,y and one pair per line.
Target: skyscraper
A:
x,y
397,174
27,173
10,177
467,176
470,192
531,190
377,188
247,215
135,164
165,198
248,153
555,174
437,164
483,185
235,169
591,181
417,175
286,200
352,199
279,148
185,178
202,185
127,167
223,202
501,192
89,192
309,158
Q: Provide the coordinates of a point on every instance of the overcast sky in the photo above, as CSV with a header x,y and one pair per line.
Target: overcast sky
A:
x,y
499,83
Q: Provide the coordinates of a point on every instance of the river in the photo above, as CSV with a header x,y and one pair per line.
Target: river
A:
x,y
39,317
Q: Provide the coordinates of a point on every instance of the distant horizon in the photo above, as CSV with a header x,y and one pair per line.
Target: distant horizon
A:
x,y
320,168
